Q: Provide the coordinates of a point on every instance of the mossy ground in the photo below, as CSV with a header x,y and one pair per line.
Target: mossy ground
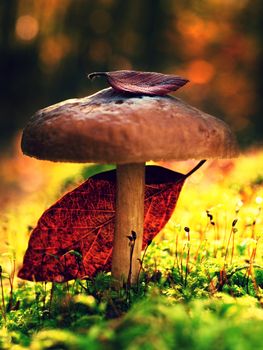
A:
x,y
201,284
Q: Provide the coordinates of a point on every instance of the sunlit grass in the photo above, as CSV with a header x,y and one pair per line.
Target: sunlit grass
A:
x,y
226,189
210,249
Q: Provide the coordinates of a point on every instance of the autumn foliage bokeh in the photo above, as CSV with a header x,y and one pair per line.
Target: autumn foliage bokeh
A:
x,y
48,46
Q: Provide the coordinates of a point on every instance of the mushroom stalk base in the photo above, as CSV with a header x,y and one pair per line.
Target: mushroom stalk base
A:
x,y
129,217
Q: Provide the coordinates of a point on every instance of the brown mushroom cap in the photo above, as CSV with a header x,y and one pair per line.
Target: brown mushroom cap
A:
x,y
114,127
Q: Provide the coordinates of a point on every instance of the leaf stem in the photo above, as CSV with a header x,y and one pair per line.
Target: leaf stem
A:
x,y
195,168
96,74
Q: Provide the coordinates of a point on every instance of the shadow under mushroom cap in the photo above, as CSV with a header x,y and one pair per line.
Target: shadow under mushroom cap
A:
x,y
114,127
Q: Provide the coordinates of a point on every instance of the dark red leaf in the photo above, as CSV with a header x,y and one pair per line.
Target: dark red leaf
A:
x,y
74,237
149,83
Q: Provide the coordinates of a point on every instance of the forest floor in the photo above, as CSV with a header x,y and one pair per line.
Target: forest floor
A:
x,y
201,284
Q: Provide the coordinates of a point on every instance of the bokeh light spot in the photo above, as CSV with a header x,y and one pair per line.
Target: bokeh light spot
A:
x,y
27,27
259,200
54,49
200,71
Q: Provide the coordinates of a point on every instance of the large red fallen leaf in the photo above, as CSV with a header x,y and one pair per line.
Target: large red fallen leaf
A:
x,y
74,237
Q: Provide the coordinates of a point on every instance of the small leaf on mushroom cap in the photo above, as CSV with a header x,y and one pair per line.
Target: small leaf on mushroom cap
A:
x,y
149,83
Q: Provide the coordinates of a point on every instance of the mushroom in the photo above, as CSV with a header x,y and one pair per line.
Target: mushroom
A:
x,y
126,129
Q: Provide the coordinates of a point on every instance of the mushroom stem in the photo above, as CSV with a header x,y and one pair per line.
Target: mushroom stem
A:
x,y
129,217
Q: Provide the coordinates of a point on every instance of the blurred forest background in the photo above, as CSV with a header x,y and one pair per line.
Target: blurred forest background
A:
x,y
47,47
